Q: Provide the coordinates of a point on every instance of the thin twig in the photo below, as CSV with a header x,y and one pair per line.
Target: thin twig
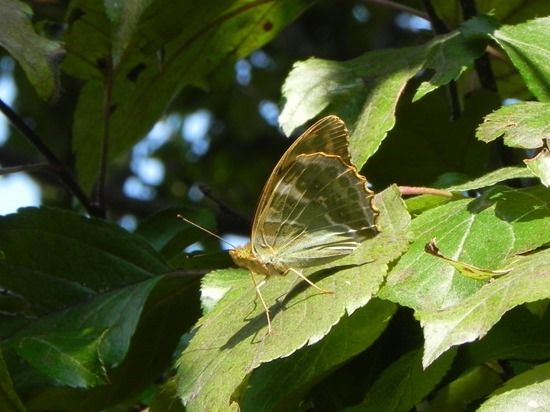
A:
x,y
56,165
37,167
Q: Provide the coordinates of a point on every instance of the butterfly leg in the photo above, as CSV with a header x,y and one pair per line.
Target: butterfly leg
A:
x,y
257,286
310,282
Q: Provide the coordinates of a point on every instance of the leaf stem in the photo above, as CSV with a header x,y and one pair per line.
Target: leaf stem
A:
x,y
55,164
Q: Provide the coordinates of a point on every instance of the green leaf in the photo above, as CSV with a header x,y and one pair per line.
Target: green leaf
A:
x,y
492,178
472,318
124,16
527,46
293,376
540,166
364,91
38,56
230,341
9,401
473,385
405,383
538,373
509,11
155,61
449,57
417,153
523,125
85,284
518,335
484,232
170,310
534,397
68,358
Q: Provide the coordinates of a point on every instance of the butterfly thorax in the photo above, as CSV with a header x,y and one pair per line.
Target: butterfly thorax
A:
x,y
245,258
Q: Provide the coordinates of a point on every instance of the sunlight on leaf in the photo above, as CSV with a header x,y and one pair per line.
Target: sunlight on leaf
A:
x,y
232,336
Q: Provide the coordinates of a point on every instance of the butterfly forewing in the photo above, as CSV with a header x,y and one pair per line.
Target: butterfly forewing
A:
x,y
319,210
329,135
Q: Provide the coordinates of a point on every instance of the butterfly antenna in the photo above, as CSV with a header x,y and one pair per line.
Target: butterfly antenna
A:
x,y
206,230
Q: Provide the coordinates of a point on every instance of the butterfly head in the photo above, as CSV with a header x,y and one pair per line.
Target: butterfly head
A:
x,y
245,258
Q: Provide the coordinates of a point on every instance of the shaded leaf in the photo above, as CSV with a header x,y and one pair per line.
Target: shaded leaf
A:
x,y
518,335
230,340
38,56
167,399
85,284
170,310
68,358
293,376
524,125
9,401
471,386
405,383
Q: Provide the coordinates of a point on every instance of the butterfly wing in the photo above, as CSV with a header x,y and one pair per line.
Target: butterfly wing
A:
x,y
329,135
320,209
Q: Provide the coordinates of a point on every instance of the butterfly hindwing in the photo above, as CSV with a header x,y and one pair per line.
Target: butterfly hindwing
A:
x,y
318,211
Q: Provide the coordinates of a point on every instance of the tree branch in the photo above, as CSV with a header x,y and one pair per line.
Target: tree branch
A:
x,y
55,164
37,167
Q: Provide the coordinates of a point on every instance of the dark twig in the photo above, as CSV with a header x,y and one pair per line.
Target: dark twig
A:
x,y
55,164
438,25
482,65
37,167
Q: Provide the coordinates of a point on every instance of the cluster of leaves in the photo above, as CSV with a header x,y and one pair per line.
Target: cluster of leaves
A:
x,y
94,317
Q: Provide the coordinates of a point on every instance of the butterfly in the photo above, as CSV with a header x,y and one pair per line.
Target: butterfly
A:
x,y
314,208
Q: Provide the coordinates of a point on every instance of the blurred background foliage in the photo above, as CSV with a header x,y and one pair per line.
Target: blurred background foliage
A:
x,y
224,140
